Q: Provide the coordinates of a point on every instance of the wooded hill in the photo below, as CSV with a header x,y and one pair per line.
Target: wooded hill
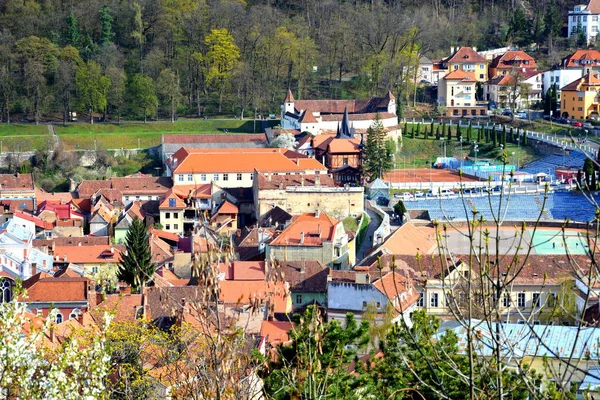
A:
x,y
203,57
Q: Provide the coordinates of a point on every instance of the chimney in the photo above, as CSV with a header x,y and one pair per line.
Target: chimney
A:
x,y
72,185
303,269
91,295
65,258
33,269
112,250
269,177
475,49
297,161
451,50
317,213
317,180
302,180
301,237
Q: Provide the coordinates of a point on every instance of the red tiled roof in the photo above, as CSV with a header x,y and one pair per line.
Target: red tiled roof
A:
x,y
586,80
315,230
42,287
16,182
359,117
124,307
89,254
591,57
164,234
503,61
227,208
308,117
289,98
460,75
63,197
37,221
276,332
465,55
88,188
398,288
243,292
165,202
283,181
239,160
594,6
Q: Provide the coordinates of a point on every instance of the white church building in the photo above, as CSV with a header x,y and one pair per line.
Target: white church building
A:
x,y
325,116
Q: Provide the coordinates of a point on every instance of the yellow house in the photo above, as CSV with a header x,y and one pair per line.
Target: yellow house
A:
x,y
580,98
456,92
466,59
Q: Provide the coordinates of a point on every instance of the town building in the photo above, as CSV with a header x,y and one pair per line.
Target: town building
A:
x,y
137,187
360,292
466,59
17,186
457,93
515,89
585,61
580,98
314,236
321,116
234,168
560,78
299,194
307,281
425,71
99,262
512,60
584,18
18,258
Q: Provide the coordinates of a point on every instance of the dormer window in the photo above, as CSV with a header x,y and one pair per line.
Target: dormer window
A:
x,y
171,202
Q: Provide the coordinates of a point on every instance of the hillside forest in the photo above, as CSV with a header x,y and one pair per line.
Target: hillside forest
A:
x,y
143,59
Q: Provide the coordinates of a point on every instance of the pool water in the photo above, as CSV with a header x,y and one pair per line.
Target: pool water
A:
x,y
552,241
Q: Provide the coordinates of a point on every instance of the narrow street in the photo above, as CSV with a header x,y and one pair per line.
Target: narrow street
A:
x,y
367,242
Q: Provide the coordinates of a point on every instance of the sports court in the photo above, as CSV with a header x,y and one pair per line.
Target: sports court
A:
x,y
424,175
546,241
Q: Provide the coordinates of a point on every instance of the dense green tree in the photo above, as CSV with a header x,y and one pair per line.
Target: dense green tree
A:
x,y
221,58
588,170
469,133
92,87
116,94
136,267
169,90
141,94
72,35
553,22
378,157
106,21
518,32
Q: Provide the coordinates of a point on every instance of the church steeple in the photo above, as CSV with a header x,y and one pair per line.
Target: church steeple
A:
x,y
290,97
346,132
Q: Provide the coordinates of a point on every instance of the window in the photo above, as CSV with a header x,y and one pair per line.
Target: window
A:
x,y
535,300
521,299
481,66
126,198
75,313
239,177
364,304
175,215
455,67
225,177
421,301
203,177
506,300
580,99
176,227
94,270
345,161
298,299
434,300
551,300
5,291
215,177
180,178
167,215
168,226
172,202
190,177
137,198
59,318
481,76
594,18
579,108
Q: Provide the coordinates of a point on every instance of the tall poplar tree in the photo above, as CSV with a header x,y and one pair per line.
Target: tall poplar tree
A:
x,y
378,157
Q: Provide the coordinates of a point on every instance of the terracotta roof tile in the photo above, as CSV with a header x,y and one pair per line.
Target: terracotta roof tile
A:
x,y
239,161
586,80
460,75
227,208
276,332
46,288
283,181
398,288
582,58
305,276
289,97
465,55
123,306
307,230
89,254
359,117
308,117
505,60
16,182
243,292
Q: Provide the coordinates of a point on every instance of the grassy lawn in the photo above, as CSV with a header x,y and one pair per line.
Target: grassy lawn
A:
x,y
110,141
23,129
25,143
181,126
350,224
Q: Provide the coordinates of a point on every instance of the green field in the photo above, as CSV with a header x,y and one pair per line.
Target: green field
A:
x,y
22,129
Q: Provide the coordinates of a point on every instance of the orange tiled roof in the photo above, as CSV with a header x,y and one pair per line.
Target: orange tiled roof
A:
x,y
315,230
465,55
248,270
398,288
165,202
32,218
276,332
227,208
289,97
244,292
586,80
308,117
42,287
460,75
503,61
62,197
164,234
582,58
18,182
123,306
89,254
239,160
409,239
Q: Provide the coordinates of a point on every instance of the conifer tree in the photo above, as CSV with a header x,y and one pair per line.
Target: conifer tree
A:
x,y
503,137
469,132
458,132
494,137
136,267
418,130
449,134
437,132
378,157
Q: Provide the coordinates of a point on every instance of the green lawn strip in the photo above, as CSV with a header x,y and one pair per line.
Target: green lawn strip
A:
x,y
110,141
181,126
23,129
25,142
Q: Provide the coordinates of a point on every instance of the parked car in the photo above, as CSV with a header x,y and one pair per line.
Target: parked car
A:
x,y
577,124
521,115
563,121
588,125
419,194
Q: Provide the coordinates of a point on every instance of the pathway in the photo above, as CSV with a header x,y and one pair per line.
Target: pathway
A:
x,y
367,242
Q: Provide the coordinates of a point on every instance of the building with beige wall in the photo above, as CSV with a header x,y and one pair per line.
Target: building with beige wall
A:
x,y
234,168
299,194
